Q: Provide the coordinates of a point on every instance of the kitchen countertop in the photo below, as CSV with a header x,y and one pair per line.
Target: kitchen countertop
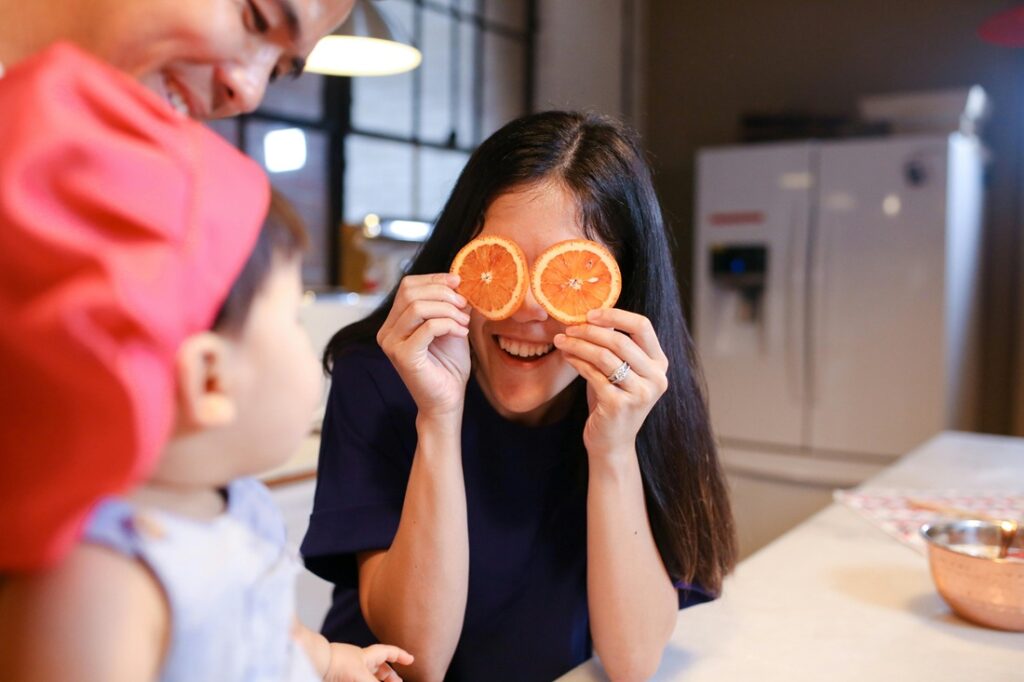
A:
x,y
301,466
838,599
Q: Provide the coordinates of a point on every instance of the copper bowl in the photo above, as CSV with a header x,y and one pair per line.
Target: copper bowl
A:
x,y
976,584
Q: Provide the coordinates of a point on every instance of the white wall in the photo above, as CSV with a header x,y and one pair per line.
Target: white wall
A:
x,y
584,50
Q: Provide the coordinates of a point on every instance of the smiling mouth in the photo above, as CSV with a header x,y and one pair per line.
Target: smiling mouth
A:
x,y
176,98
524,351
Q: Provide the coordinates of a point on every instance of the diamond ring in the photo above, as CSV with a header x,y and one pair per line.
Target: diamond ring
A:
x,y
619,374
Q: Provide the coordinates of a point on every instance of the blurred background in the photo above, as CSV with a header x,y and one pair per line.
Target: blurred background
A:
x,y
893,121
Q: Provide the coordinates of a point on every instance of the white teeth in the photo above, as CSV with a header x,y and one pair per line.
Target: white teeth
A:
x,y
175,99
179,103
523,349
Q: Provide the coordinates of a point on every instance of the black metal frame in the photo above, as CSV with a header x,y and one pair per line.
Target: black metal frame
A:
x,y
336,109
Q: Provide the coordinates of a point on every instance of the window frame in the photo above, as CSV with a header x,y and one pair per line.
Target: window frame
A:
x,y
336,109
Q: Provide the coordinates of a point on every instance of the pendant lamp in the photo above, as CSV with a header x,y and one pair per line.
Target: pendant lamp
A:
x,y
367,44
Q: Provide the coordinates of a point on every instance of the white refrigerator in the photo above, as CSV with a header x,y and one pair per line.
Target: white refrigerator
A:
x,y
835,310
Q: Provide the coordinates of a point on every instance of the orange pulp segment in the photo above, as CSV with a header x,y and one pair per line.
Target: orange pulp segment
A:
x,y
573,277
494,276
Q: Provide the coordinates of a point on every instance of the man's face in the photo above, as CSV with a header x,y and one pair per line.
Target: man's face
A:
x,y
214,58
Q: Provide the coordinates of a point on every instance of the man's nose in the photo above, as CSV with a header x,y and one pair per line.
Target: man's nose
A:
x,y
241,86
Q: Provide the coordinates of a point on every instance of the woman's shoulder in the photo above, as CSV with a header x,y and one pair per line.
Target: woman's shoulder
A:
x,y
363,374
361,359
359,355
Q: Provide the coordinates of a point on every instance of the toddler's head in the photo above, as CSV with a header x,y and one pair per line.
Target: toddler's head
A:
x,y
247,389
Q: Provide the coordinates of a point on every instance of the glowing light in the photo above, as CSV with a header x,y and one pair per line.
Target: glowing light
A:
x,y
357,56
284,150
408,230
892,205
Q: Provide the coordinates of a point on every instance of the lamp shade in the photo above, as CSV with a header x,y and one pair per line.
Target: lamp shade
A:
x,y
365,45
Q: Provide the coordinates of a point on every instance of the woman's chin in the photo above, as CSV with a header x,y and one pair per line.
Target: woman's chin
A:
x,y
516,404
526,392
526,404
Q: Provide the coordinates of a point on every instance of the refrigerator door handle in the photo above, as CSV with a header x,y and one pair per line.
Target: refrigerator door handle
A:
x,y
790,304
818,250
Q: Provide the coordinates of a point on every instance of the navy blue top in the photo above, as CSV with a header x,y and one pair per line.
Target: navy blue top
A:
x,y
526,614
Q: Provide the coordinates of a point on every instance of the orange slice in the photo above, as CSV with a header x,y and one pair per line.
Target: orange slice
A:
x,y
574,277
494,276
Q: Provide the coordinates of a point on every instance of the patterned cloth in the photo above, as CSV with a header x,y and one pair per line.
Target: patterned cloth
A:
x,y
901,513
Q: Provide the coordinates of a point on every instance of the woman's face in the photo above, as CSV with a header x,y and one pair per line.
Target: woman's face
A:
x,y
516,363
211,58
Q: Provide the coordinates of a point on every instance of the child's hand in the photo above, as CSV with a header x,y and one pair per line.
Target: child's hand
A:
x,y
351,664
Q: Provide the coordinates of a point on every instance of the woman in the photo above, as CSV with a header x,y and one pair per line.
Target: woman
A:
x,y
486,498
79,352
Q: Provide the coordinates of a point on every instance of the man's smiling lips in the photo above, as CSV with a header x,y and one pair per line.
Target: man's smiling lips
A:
x,y
180,99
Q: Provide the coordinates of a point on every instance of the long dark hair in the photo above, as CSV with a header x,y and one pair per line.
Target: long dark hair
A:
x,y
602,164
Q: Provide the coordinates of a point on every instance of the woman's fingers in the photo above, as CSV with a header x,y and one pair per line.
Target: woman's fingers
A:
x,y
598,381
441,278
637,326
433,329
644,380
421,297
601,363
439,287
621,349
600,357
420,311
590,373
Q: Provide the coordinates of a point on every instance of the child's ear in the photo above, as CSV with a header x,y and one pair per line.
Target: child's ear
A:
x,y
203,373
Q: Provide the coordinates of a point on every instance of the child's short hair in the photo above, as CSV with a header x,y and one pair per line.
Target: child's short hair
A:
x,y
283,236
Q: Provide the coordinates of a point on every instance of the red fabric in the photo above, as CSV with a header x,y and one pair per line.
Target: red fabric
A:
x,y
122,227
1005,29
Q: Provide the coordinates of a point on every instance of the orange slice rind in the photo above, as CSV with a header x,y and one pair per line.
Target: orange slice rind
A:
x,y
574,277
493,275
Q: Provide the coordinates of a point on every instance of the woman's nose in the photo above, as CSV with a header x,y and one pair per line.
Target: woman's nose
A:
x,y
530,311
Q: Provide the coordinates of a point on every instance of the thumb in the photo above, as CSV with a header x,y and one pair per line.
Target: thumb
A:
x,y
377,654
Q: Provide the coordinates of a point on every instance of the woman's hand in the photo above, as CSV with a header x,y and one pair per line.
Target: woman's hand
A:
x,y
425,337
596,350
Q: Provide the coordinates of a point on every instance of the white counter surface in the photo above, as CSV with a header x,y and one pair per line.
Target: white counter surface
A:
x,y
301,466
838,599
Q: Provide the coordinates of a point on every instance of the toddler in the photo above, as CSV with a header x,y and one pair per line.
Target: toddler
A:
x,y
188,576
